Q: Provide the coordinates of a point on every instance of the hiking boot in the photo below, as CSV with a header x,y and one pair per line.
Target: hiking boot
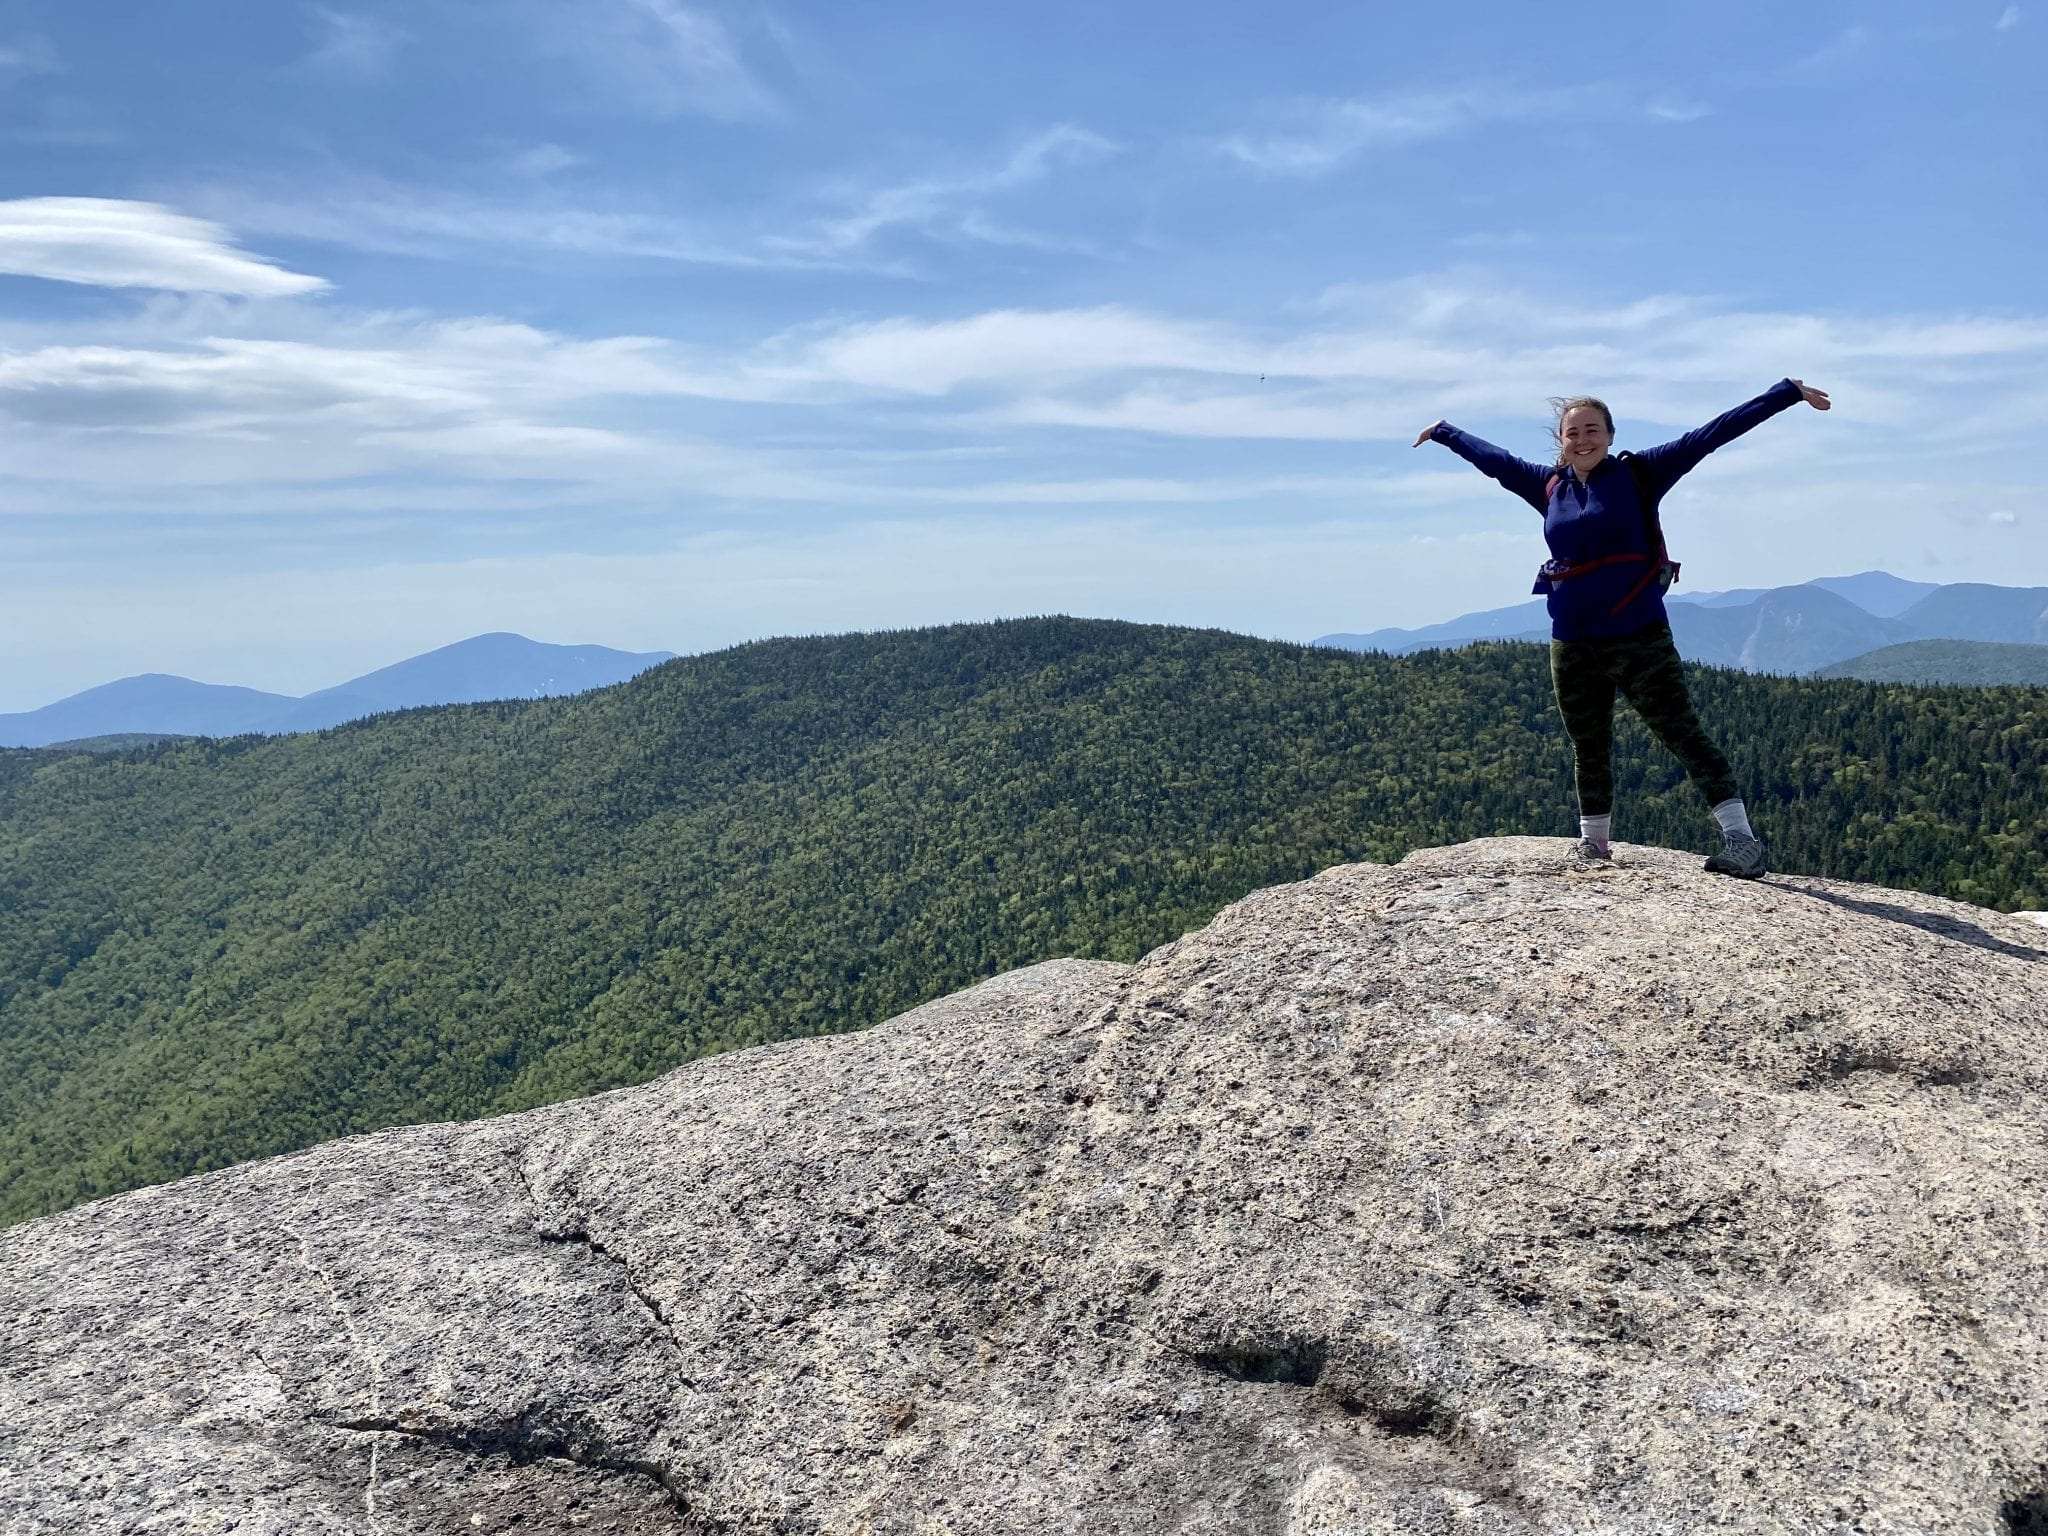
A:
x,y
1586,854
1742,857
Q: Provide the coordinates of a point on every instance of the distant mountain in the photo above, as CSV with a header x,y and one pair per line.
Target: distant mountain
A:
x,y
1787,630
495,666
1970,610
1778,629
1727,599
1974,663
1875,592
1520,622
155,703
1878,592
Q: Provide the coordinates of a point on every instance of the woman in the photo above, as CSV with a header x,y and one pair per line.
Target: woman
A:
x,y
1606,580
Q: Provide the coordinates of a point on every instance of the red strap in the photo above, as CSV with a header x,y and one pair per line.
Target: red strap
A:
x,y
1658,561
1569,571
1636,591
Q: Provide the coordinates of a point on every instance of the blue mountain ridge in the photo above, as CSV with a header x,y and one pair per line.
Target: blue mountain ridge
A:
x,y
1789,630
493,666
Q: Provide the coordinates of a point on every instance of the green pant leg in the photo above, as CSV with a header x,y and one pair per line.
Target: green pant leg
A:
x,y
1585,698
1648,672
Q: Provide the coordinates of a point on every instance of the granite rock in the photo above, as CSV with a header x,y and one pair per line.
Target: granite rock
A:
x,y
1479,1193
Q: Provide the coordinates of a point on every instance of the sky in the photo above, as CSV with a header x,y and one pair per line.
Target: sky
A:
x,y
332,333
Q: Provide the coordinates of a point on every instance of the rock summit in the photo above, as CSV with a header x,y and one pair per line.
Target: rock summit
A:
x,y
1474,1194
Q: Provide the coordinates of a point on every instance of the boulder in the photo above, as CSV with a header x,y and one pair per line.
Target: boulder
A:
x,y
1475,1194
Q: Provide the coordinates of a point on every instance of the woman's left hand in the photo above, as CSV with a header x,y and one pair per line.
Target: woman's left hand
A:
x,y
1817,398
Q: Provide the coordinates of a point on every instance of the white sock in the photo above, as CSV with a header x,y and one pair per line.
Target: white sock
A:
x,y
1733,818
1595,828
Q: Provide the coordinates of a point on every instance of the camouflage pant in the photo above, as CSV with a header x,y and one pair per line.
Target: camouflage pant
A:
x,y
1644,668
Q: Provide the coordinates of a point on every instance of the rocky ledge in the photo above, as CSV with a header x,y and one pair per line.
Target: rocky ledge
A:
x,y
1472,1194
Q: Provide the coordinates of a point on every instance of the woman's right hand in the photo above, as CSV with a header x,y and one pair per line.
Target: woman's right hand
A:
x,y
1426,432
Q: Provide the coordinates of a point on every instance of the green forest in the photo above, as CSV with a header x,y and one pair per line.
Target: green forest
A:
x,y
218,950
1968,663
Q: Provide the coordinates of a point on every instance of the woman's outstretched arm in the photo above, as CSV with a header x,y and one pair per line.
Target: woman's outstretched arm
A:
x,y
1526,480
1668,461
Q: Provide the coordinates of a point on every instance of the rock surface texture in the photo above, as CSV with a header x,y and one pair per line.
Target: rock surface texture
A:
x,y
1474,1194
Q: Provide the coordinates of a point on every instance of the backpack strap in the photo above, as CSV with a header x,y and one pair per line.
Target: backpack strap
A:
x,y
1663,569
1653,530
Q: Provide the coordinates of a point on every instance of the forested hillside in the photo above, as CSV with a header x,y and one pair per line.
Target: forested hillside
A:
x,y
211,951
1972,663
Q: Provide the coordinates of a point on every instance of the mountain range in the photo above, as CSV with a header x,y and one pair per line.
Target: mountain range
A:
x,y
494,666
1787,630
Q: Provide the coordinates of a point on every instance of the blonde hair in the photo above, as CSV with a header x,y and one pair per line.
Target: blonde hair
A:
x,y
1564,405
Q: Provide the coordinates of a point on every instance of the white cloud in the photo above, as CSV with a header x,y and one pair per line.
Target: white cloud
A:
x,y
997,348
373,215
115,244
2003,519
1313,138
1678,109
474,392
351,43
203,405
952,205
2008,18
420,222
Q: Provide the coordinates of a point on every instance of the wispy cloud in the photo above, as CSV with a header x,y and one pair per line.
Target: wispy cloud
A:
x,y
369,213
111,243
351,43
1678,109
398,219
1844,47
389,375
1014,348
207,392
541,161
1314,138
2007,19
662,58
955,205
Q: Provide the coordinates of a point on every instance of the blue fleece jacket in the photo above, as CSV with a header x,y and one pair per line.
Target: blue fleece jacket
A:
x,y
1600,515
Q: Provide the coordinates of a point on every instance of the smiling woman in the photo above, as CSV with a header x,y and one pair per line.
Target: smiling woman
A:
x,y
1605,582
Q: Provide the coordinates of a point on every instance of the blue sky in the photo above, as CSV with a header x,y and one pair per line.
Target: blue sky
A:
x,y
330,333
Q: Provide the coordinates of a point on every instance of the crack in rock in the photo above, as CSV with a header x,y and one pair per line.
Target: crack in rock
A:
x,y
531,1439
579,1235
370,1358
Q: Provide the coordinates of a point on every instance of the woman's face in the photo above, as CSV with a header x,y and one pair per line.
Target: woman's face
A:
x,y
1584,436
